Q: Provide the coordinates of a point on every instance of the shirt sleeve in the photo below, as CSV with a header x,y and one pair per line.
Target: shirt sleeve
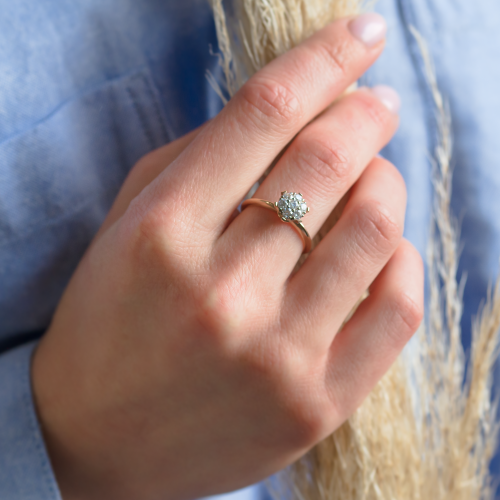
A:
x,y
25,470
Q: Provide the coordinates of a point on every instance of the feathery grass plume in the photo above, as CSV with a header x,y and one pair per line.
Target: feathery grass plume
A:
x,y
428,430
251,33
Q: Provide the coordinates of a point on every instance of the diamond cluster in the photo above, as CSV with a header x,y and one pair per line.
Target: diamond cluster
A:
x,y
291,206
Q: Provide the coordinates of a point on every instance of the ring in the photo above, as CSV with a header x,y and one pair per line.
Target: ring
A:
x,y
291,207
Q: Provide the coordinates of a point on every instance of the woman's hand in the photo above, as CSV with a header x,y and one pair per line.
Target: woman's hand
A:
x,y
184,358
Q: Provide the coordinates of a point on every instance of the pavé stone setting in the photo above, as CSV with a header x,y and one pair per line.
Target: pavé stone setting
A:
x,y
291,206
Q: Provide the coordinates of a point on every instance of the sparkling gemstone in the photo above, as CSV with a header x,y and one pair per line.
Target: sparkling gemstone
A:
x,y
291,206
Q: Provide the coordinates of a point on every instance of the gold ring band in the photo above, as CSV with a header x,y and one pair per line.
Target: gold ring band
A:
x,y
296,223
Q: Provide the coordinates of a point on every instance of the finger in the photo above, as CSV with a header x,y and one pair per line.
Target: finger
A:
x,y
342,266
211,177
322,163
372,339
147,169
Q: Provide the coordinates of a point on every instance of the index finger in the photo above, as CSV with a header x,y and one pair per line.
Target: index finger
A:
x,y
219,167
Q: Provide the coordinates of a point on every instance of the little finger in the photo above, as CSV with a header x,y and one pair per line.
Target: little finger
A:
x,y
372,339
343,265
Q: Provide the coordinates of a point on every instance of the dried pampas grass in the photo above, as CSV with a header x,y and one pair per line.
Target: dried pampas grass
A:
x,y
429,428
251,33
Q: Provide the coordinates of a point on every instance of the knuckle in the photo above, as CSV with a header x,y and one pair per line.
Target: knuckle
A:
x,y
149,222
336,56
324,163
148,228
396,177
271,100
309,426
149,239
167,226
308,408
379,226
412,256
153,238
372,109
141,224
294,386
407,315
393,174
219,313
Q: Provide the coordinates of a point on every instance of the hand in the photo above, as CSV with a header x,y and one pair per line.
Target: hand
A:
x,y
185,358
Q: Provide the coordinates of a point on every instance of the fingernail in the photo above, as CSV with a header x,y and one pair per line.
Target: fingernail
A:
x,y
388,96
369,28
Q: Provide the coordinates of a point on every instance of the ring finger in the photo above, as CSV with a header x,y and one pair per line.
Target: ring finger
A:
x,y
322,163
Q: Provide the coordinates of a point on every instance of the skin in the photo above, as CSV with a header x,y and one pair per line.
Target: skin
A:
x,y
185,358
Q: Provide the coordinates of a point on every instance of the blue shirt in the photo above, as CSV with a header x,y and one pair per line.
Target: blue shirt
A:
x,y
88,87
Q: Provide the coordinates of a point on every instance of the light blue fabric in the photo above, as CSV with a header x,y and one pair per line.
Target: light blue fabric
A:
x,y
25,471
89,86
